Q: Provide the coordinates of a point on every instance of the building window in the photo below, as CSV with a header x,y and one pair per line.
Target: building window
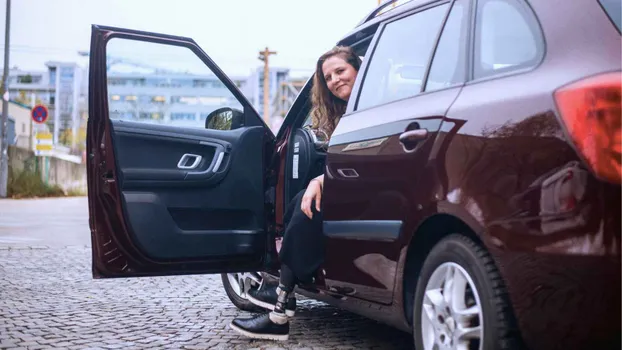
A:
x,y
53,76
158,99
66,73
25,79
210,100
183,116
117,81
157,82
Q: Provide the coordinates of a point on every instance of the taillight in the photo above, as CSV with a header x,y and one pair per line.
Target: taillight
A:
x,y
592,112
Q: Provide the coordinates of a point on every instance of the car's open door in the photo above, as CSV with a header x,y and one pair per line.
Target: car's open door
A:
x,y
166,195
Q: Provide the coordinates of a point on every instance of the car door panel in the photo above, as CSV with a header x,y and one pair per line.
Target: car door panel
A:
x,y
173,215
165,199
381,203
151,155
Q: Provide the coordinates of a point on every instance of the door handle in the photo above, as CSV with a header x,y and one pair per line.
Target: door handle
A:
x,y
413,135
349,173
183,162
410,139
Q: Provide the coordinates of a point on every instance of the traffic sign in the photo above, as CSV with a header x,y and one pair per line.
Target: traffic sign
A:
x,y
44,144
39,114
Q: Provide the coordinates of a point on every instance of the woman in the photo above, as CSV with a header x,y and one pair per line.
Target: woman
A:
x,y
302,252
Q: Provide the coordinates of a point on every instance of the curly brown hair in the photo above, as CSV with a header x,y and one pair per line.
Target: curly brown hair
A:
x,y
328,108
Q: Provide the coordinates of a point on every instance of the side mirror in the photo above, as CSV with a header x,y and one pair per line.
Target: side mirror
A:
x,y
225,118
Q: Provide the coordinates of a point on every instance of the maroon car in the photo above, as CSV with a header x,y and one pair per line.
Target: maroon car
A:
x,y
472,189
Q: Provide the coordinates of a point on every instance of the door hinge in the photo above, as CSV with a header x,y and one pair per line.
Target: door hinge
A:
x,y
108,177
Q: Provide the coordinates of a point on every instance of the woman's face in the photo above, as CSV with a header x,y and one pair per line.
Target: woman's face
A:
x,y
339,76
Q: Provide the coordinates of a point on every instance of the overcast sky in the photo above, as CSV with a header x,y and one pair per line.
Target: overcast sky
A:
x,y
230,31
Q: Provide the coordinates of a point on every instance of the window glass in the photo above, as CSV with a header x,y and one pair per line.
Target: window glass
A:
x,y
613,8
400,58
448,65
507,37
162,84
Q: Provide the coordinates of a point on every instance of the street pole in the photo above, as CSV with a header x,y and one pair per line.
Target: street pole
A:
x,y
4,142
263,56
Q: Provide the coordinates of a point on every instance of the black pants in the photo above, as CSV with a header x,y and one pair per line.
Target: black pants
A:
x,y
302,251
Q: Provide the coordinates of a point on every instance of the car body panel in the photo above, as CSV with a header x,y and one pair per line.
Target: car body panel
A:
x,y
509,166
374,214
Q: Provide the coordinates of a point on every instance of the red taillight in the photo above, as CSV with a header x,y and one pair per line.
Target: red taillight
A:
x,y
592,112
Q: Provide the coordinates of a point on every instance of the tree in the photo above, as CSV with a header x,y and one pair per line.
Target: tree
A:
x,y
23,98
25,79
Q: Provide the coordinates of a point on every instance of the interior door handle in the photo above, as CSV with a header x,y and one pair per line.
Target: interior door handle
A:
x,y
349,173
183,162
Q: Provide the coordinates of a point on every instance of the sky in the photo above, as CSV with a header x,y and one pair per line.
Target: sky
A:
x,y
232,32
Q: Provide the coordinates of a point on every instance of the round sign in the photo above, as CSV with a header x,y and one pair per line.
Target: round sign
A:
x,y
39,114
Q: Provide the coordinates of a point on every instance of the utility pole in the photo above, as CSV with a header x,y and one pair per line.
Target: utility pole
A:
x,y
4,142
263,56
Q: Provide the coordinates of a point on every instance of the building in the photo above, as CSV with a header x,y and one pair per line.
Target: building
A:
x,y
254,90
168,97
20,126
70,100
144,93
62,88
28,87
286,94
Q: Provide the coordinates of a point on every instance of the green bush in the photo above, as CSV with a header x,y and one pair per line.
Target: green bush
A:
x,y
27,183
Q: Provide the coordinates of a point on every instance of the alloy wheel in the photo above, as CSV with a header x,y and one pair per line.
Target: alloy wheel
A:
x,y
451,316
242,282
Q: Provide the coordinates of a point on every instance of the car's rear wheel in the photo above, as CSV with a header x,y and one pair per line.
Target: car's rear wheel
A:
x,y
238,284
460,301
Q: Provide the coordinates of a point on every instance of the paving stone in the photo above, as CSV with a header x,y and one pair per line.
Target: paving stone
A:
x,y
50,300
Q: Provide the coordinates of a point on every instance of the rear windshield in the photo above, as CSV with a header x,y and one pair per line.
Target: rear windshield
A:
x,y
613,8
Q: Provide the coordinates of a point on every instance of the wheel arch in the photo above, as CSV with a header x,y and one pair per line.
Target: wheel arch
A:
x,y
429,232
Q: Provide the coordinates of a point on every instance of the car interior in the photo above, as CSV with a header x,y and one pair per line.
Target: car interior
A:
x,y
306,152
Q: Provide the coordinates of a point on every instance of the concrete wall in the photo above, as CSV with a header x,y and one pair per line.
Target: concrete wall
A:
x,y
67,174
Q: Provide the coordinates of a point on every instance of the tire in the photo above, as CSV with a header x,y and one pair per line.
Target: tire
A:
x,y
459,256
238,300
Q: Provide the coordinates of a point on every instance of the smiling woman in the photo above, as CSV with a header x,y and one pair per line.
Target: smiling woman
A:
x,y
334,78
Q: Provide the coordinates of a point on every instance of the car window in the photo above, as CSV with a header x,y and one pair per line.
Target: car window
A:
x,y
507,37
613,8
162,84
399,61
448,65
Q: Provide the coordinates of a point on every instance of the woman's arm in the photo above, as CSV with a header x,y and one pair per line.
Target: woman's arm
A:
x,y
313,192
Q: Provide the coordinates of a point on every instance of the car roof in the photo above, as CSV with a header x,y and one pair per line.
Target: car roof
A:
x,y
370,22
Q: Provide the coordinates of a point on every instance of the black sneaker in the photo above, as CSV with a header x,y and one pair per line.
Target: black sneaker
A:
x,y
267,297
262,327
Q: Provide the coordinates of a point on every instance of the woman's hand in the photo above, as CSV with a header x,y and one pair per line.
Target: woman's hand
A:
x,y
313,192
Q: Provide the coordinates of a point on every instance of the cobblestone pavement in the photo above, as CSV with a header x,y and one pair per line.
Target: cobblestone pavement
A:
x,y
48,299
